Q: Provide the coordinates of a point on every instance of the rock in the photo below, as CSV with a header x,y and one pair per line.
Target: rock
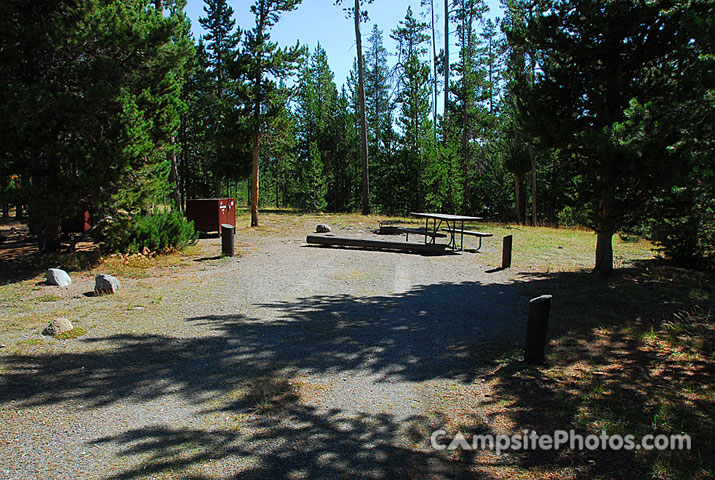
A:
x,y
57,326
322,228
58,277
104,283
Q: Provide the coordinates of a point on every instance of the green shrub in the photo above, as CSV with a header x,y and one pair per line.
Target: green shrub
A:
x,y
683,225
572,217
156,232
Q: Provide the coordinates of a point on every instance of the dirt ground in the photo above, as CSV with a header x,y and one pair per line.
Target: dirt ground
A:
x,y
289,361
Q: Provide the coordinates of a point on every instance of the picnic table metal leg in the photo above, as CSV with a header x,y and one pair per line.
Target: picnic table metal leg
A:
x,y
461,240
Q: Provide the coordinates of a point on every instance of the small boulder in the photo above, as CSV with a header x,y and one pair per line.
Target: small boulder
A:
x,y
322,228
57,326
106,284
58,277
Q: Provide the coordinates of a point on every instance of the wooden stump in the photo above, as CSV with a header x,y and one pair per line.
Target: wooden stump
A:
x,y
536,329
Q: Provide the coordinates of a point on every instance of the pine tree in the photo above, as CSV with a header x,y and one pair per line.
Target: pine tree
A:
x,y
379,118
221,42
413,96
94,97
468,114
317,97
600,62
264,63
358,16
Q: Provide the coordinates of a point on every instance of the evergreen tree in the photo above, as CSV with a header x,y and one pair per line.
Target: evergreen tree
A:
x,y
345,193
263,63
317,97
358,16
93,98
379,117
600,64
221,43
468,116
280,149
413,96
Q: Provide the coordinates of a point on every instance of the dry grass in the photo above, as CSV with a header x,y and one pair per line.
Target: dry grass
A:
x,y
631,354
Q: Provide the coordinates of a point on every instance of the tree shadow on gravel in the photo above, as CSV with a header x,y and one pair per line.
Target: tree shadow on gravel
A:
x,y
430,332
612,365
298,443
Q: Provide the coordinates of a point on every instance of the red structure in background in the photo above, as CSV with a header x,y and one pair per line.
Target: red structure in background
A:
x,y
78,224
209,213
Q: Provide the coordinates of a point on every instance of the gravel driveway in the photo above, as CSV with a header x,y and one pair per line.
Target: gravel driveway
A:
x,y
288,362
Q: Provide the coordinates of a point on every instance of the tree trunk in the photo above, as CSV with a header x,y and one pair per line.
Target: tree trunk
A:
x,y
446,68
48,235
174,177
363,119
254,183
517,196
605,231
434,74
533,185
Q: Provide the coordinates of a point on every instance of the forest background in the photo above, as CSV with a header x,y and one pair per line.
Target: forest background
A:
x,y
569,112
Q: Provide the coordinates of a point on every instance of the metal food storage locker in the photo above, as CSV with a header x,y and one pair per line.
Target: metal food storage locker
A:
x,y
209,213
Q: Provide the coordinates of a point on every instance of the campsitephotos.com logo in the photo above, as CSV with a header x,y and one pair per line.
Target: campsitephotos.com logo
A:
x,y
559,439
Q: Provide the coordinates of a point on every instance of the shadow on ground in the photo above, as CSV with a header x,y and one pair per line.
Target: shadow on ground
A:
x,y
600,374
429,332
20,261
435,331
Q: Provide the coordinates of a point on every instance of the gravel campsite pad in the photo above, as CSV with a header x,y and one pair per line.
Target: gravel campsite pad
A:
x,y
288,361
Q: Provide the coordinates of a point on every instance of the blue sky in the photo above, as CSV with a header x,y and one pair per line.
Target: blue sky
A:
x,y
321,21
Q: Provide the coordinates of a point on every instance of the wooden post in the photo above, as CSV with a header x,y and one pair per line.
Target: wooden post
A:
x,y
506,251
227,245
536,328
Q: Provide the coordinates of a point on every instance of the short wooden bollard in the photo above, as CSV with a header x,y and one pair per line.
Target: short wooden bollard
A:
x,y
506,251
227,234
536,329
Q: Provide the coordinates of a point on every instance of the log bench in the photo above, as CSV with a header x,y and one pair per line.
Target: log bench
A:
x,y
330,240
473,233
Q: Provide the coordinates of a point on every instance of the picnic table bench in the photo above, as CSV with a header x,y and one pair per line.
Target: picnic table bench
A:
x,y
473,233
420,231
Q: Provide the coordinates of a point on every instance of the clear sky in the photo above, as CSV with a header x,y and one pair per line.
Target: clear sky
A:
x,y
321,21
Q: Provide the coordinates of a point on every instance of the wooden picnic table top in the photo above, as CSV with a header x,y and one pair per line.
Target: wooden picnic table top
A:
x,y
446,217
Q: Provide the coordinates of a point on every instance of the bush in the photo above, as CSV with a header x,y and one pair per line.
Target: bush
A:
x,y
156,232
573,217
683,225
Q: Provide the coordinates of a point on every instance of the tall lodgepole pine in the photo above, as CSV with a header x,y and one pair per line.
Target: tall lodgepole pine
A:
x,y
446,65
363,119
264,63
358,16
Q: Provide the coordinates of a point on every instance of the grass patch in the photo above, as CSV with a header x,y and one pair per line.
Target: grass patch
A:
x,y
48,298
76,332
30,342
631,354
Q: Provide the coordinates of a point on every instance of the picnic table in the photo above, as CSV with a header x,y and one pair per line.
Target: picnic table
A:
x,y
454,225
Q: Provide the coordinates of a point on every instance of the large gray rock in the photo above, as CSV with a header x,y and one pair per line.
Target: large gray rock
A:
x,y
58,277
104,284
57,326
322,228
